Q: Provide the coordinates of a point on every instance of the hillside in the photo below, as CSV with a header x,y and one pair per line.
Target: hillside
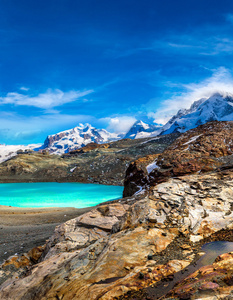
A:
x,y
201,149
94,163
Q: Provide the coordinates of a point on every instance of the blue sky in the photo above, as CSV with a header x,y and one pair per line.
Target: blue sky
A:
x,y
108,62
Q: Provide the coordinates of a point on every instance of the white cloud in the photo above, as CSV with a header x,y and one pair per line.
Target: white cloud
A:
x,y
24,130
51,98
221,81
23,88
118,124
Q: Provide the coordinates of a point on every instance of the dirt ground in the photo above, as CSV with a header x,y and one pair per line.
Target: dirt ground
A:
x,y
21,229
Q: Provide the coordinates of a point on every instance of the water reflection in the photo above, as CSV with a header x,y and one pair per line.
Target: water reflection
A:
x,y
213,250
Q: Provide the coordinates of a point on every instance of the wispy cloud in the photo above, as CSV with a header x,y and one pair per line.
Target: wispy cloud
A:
x,y
221,81
205,40
51,98
229,18
218,46
119,123
23,88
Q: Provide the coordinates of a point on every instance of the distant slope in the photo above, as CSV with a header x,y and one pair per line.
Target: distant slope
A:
x,y
105,163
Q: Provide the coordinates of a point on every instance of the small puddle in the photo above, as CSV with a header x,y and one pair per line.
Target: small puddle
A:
x,y
212,251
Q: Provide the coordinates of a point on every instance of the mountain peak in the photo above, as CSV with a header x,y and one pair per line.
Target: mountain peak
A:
x,y
82,126
142,130
77,137
218,107
141,123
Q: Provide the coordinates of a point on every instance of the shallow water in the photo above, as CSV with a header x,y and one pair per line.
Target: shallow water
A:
x,y
53,194
212,251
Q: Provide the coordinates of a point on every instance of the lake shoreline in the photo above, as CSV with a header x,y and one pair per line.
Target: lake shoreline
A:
x,y
22,229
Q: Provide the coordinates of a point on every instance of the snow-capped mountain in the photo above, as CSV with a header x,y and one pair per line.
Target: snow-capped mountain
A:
x,y
142,130
77,137
9,151
217,107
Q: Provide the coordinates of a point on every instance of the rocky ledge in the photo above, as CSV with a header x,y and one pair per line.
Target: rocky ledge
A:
x,y
124,247
201,149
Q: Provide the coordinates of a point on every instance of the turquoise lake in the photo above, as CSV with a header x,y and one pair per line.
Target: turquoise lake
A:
x,y
53,194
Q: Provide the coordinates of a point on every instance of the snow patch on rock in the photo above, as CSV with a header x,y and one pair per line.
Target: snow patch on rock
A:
x,y
152,166
193,139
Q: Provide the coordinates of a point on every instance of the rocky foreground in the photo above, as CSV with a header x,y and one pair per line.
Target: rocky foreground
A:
x,y
121,249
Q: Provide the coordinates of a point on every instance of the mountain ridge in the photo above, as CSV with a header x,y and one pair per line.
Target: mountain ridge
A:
x,y
77,137
218,107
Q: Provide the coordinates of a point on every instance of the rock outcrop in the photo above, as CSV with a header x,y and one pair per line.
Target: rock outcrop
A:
x,y
202,149
125,246
20,264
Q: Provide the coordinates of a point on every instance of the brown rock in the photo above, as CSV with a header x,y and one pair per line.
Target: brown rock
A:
x,y
197,150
